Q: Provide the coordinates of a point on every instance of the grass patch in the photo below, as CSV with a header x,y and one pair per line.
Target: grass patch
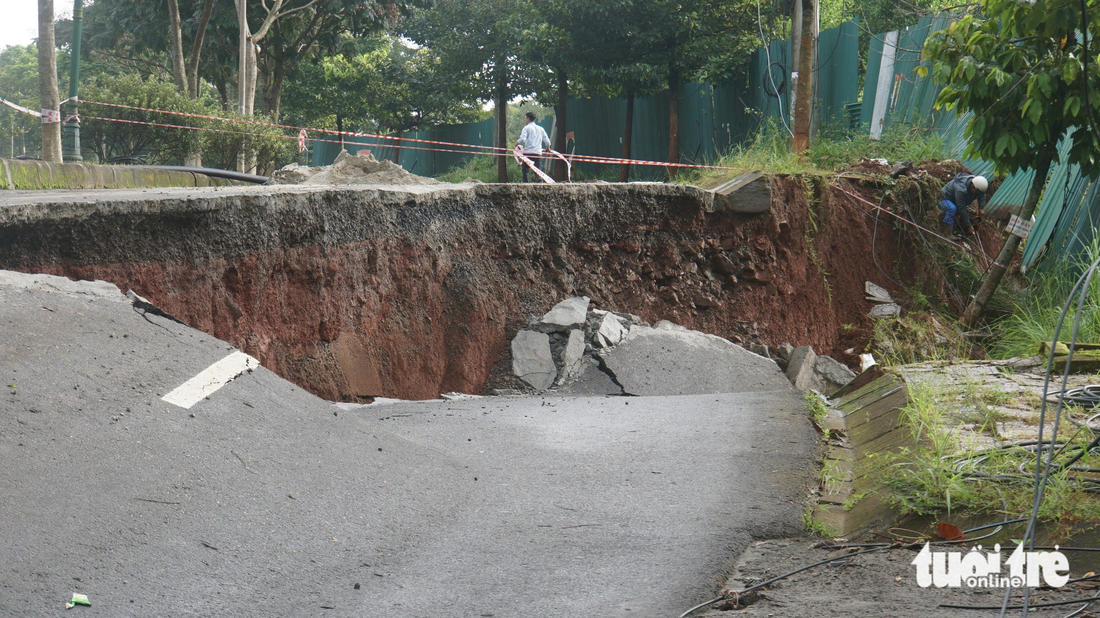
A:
x,y
917,336
939,474
817,528
814,404
831,150
1036,310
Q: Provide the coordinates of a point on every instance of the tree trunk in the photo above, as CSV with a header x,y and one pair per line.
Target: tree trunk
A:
x,y
196,51
673,118
559,138
805,80
223,92
253,68
1004,258
175,42
397,148
502,129
47,82
628,135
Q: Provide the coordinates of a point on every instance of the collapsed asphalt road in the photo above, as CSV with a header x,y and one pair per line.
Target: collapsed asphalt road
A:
x,y
261,499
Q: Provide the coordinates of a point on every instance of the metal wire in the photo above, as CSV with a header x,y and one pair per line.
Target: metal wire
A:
x,y
1083,284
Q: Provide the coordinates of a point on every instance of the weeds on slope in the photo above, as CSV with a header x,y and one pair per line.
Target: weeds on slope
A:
x,y
769,151
938,472
1038,307
830,151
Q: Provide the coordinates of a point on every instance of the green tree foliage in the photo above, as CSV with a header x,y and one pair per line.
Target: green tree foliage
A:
x,y
379,84
19,84
106,141
1020,68
479,42
135,34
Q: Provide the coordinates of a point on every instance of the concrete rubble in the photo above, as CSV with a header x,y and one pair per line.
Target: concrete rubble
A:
x,y
349,169
580,350
885,305
531,359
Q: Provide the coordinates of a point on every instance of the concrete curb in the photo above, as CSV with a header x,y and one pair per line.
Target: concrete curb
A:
x,y
36,175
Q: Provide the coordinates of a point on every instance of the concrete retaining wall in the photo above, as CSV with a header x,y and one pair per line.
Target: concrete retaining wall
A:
x,y
19,174
864,421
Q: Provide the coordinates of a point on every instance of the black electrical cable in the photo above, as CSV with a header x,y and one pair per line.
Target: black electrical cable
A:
x,y
935,262
1023,607
1083,284
1083,607
1082,396
775,579
873,547
1003,523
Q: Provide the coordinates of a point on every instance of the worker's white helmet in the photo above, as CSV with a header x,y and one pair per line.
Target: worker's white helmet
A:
x,y
980,183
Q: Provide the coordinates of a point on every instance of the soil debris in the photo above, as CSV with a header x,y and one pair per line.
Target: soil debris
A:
x,y
348,169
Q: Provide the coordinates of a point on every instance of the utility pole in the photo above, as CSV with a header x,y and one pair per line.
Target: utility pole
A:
x,y
804,84
70,144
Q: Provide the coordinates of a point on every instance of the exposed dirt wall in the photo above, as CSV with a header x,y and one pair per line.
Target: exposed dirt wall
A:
x,y
355,292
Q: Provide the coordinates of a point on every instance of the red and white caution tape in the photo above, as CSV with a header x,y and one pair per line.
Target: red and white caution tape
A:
x,y
568,165
519,156
302,140
20,108
471,148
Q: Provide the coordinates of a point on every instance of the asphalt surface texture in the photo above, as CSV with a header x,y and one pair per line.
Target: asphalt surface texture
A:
x,y
262,499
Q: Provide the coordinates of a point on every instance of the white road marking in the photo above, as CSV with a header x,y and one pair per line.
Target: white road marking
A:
x,y
211,379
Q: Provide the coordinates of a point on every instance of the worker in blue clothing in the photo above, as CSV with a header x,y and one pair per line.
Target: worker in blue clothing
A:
x,y
957,194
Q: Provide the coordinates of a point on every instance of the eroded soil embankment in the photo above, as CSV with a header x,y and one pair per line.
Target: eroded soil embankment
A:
x,y
409,293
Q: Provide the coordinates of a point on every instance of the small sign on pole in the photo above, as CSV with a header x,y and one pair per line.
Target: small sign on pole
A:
x,y
1018,227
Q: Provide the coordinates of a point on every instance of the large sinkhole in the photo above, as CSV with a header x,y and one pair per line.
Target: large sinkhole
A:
x,y
356,292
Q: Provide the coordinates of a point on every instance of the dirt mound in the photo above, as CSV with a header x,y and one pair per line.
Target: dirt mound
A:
x,y
361,169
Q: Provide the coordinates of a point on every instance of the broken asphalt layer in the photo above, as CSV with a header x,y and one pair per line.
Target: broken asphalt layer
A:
x,y
262,499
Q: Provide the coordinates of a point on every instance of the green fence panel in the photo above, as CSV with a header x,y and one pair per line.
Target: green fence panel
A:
x,y
838,73
1063,193
870,80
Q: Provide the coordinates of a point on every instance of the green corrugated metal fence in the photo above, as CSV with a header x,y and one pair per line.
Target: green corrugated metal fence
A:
x,y
713,117
1064,216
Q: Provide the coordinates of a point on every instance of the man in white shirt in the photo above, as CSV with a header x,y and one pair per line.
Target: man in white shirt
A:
x,y
531,139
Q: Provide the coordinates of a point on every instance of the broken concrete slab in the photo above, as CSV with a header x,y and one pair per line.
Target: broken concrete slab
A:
x,y
531,359
749,193
572,356
568,313
671,360
592,381
784,351
800,369
885,311
877,293
833,373
610,331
